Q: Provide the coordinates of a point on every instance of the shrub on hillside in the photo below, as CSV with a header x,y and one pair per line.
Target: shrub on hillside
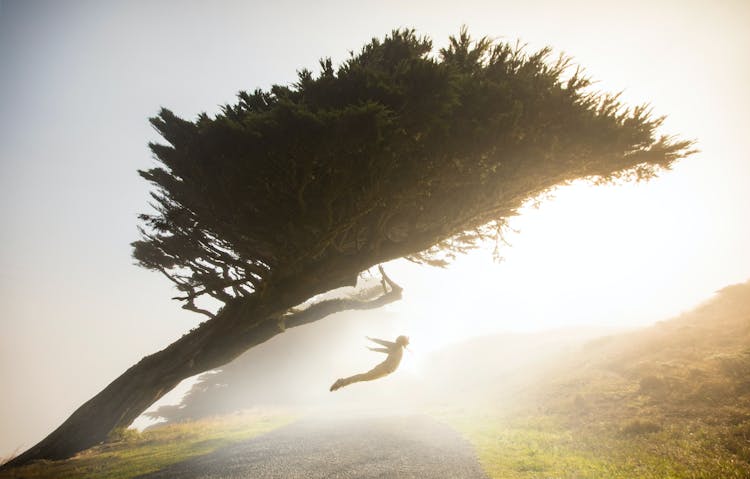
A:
x,y
639,427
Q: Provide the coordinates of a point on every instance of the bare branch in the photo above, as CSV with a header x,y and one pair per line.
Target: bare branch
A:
x,y
190,306
194,294
327,307
387,280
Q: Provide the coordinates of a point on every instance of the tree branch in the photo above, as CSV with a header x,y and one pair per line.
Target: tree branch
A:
x,y
208,290
327,307
190,306
385,279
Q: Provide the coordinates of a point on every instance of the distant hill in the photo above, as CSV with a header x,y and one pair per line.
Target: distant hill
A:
x,y
695,367
671,400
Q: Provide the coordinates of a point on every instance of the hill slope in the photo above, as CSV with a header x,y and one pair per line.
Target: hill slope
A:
x,y
672,400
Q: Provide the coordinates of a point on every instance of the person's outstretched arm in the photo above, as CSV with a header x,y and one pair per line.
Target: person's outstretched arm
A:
x,y
381,342
379,350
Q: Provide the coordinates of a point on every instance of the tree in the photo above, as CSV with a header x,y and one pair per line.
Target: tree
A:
x,y
398,152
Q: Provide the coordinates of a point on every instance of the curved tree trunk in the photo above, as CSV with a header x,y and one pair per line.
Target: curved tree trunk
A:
x,y
214,343
240,325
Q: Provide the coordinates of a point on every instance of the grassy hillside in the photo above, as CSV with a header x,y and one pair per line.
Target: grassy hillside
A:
x,y
695,368
670,401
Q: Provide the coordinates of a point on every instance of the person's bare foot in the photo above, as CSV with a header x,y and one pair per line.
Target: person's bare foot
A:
x,y
339,382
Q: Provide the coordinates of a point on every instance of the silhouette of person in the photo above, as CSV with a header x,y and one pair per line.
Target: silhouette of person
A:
x,y
394,350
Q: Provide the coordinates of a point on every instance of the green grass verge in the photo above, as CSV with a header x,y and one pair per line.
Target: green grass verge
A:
x,y
545,447
134,453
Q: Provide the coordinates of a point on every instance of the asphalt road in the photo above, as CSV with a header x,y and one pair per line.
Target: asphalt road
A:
x,y
365,447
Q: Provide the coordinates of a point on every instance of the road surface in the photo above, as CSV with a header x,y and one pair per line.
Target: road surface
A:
x,y
365,447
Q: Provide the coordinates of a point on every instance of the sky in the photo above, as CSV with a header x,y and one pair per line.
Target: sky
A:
x,y
79,80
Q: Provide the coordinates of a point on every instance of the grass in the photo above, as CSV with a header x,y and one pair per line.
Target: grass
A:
x,y
546,447
132,453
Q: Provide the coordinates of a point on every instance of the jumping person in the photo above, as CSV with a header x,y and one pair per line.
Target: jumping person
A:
x,y
395,352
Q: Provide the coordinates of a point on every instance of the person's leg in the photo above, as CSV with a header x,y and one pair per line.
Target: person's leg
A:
x,y
370,375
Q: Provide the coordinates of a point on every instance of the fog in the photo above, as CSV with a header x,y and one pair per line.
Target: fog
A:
x,y
294,371
80,79
698,354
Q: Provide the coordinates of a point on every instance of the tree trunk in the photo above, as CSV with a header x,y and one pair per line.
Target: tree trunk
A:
x,y
240,325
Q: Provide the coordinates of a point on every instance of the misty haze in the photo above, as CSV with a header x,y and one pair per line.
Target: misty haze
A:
x,y
408,240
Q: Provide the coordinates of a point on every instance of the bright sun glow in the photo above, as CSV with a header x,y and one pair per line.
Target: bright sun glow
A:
x,y
590,256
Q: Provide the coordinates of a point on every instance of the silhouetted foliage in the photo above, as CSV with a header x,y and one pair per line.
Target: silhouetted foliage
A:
x,y
399,151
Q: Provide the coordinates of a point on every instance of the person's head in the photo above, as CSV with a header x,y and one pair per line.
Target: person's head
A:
x,y
402,341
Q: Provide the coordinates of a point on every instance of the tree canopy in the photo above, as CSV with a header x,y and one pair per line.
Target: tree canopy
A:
x,y
400,151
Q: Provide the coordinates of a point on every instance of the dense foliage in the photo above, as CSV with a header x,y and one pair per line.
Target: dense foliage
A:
x,y
400,151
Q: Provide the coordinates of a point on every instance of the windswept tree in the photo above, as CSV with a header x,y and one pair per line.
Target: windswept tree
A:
x,y
400,152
